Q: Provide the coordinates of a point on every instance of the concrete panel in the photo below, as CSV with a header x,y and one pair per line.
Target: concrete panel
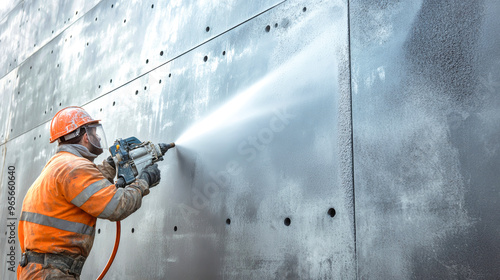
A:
x,y
248,123
10,38
8,86
43,20
32,24
113,44
426,138
7,7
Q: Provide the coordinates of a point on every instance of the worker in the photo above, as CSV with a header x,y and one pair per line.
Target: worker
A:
x,y
60,210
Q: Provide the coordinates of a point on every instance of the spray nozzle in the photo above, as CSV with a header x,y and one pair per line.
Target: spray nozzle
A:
x,y
165,147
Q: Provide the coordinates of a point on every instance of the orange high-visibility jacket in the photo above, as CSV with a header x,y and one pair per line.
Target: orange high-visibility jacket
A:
x,y
60,210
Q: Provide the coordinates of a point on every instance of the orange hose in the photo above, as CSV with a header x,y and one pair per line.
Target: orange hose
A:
x,y
113,254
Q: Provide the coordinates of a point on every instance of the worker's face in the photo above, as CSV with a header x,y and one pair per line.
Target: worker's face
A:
x,y
96,138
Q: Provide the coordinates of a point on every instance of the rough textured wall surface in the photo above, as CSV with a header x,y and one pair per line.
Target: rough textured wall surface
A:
x,y
426,126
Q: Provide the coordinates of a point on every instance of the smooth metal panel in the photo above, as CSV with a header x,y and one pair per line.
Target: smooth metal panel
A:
x,y
426,138
108,47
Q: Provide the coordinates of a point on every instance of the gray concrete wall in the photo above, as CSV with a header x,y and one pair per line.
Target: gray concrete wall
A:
x,y
316,139
426,115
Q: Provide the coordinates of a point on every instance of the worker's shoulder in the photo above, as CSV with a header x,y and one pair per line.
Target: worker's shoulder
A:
x,y
71,161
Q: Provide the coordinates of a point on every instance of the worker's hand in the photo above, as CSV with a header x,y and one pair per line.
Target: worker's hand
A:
x,y
111,162
107,169
151,175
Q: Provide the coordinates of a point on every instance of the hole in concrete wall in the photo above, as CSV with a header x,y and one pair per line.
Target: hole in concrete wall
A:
x,y
100,110
60,104
147,61
332,212
268,28
87,43
110,81
175,228
112,5
159,81
152,6
224,53
18,92
228,221
95,19
136,92
99,86
275,25
40,136
304,9
124,21
114,103
133,230
208,28
52,31
76,13
58,65
161,53
287,221
98,231
52,51
31,67
205,58
145,87
170,75
34,138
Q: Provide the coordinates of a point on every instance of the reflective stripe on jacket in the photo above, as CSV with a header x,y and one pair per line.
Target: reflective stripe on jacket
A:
x,y
60,210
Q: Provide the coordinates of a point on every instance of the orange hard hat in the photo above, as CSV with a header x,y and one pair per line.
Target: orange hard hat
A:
x,y
68,120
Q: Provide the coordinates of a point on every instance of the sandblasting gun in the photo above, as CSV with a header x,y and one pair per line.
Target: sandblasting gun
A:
x,y
131,156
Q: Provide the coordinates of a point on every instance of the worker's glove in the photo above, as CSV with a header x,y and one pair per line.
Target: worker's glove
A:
x,y
107,169
151,175
111,161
